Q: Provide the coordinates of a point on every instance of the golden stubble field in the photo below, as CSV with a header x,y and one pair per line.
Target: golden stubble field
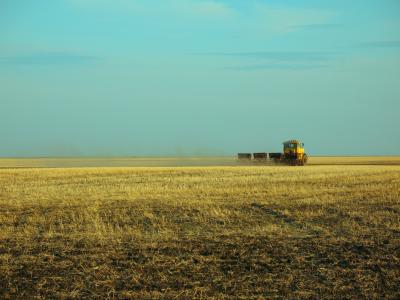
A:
x,y
328,231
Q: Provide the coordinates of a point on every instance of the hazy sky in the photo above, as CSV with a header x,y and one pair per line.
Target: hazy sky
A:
x,y
164,77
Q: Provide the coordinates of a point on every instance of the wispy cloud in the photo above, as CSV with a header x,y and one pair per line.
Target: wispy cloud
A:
x,y
279,55
211,8
259,17
380,44
195,8
296,60
317,26
278,66
48,58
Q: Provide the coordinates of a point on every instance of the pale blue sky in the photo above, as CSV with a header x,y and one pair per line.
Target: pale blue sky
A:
x,y
165,77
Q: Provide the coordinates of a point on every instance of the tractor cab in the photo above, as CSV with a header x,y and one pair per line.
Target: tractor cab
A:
x,y
293,147
293,152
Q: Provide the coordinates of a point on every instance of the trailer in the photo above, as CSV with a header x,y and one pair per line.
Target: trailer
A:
x,y
260,156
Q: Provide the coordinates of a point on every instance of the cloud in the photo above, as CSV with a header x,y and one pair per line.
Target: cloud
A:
x,y
380,44
210,8
279,56
204,8
317,26
277,66
294,60
257,16
284,18
48,58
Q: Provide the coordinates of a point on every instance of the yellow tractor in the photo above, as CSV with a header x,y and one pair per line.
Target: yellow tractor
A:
x,y
293,154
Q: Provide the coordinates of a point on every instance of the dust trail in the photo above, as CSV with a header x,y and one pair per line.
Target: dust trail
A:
x,y
176,161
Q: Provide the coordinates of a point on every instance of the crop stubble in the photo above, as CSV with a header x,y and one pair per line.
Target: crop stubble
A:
x,y
233,231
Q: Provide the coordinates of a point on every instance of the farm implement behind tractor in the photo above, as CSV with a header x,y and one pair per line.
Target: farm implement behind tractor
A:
x,y
293,154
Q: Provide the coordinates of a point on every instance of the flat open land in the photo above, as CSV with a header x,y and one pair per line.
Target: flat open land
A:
x,y
199,229
182,161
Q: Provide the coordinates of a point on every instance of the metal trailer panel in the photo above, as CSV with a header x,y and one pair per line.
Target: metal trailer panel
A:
x,y
275,155
260,156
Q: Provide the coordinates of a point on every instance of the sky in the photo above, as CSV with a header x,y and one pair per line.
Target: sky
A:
x,y
198,77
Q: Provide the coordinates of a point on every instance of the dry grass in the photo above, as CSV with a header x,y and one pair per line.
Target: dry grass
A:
x,y
200,232
181,161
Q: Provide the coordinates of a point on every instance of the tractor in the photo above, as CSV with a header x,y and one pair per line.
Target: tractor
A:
x,y
293,154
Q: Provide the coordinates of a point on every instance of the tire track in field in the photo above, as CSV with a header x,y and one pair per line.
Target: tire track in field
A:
x,y
286,219
361,222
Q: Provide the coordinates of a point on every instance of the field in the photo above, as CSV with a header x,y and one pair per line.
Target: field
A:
x,y
208,230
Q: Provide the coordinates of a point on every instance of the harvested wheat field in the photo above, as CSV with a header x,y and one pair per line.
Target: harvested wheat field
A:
x,y
320,231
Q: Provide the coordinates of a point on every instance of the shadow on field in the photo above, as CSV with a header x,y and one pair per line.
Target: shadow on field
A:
x,y
279,216
223,266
